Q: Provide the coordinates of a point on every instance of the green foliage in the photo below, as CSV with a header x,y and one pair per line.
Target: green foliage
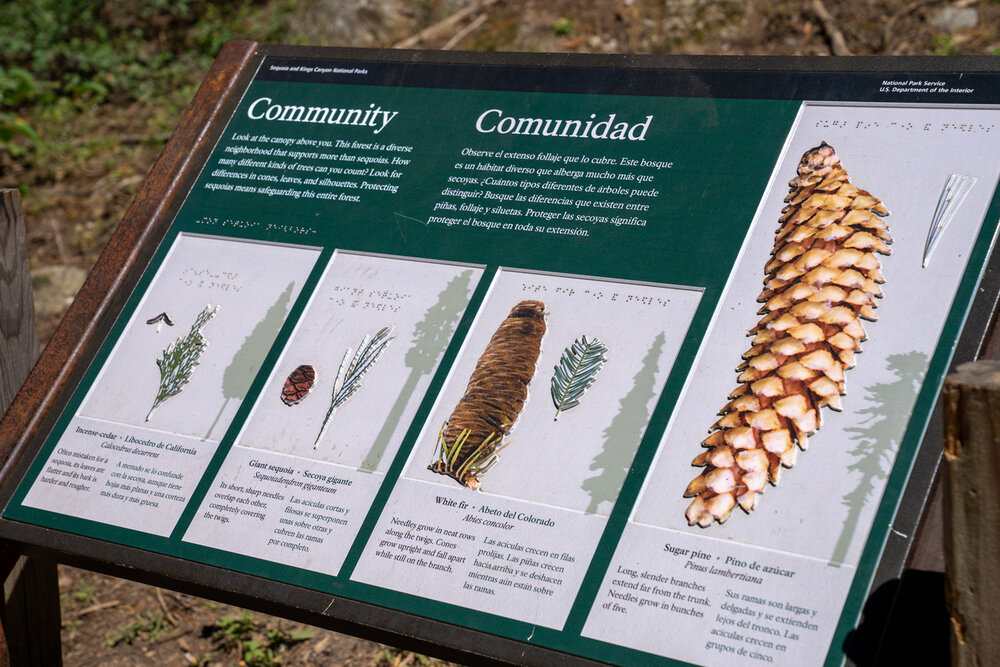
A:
x,y
18,87
231,630
89,52
256,654
256,649
149,625
85,592
278,637
563,26
12,126
944,45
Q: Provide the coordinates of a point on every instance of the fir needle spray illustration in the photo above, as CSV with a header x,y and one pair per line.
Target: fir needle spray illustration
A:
x,y
180,357
578,368
822,277
352,370
469,441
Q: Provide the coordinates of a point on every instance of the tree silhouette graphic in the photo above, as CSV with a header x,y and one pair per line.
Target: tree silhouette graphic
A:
x,y
622,436
877,437
428,342
241,371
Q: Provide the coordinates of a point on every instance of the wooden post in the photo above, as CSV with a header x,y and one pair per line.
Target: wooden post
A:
x,y
18,334
29,618
972,511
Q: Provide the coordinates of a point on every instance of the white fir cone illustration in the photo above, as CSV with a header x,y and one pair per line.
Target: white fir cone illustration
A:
x,y
471,438
822,279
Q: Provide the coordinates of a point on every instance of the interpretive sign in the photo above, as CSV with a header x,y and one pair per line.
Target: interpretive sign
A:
x,y
613,362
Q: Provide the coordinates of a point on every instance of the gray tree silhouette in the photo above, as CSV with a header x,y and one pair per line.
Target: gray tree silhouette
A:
x,y
429,340
624,433
877,436
241,371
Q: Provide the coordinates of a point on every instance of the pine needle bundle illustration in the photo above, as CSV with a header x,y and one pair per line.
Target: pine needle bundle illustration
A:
x,y
578,368
352,369
471,437
822,279
179,359
298,385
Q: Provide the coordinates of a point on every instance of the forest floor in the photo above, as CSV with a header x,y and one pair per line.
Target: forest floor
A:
x,y
85,167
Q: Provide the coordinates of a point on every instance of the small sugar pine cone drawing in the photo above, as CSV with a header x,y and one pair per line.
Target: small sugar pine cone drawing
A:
x,y
822,279
471,438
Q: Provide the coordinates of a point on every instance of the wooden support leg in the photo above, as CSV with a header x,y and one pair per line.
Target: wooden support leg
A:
x,y
29,618
972,511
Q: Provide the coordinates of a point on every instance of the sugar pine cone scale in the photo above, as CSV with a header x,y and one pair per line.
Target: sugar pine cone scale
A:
x,y
821,280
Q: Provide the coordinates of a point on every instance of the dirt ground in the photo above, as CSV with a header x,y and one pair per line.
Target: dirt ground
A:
x,y
72,205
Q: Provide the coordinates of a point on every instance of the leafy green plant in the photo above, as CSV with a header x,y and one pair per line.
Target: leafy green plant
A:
x,y
149,625
19,87
944,45
255,648
85,592
230,631
279,637
12,126
563,27
256,654
87,52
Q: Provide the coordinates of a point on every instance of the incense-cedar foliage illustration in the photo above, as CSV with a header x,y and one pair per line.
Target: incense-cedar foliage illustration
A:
x,y
578,368
822,279
179,359
470,439
352,369
298,385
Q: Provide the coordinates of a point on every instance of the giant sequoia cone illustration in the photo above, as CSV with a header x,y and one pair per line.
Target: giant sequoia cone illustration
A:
x,y
496,393
821,280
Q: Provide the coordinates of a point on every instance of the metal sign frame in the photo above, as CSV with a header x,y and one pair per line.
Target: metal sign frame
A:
x,y
91,319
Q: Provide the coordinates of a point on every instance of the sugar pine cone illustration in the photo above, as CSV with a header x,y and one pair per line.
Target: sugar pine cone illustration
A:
x,y
496,393
822,279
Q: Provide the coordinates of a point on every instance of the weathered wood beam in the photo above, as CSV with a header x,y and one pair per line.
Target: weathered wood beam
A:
x,y
29,617
972,511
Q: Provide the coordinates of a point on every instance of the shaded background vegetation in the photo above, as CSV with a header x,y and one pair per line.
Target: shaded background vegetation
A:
x,y
91,89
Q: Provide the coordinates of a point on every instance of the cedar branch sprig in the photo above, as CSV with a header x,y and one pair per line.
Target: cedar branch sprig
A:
x,y
180,358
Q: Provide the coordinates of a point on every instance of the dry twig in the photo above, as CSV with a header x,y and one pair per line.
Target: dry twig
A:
x,y
166,612
890,26
464,32
445,26
97,607
837,41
